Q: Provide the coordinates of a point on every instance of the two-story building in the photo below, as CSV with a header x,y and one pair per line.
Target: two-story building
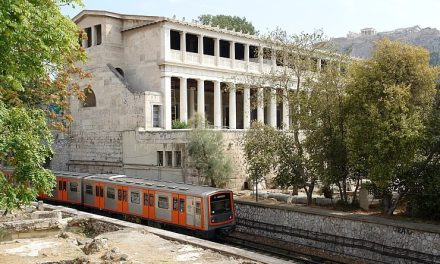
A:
x,y
150,71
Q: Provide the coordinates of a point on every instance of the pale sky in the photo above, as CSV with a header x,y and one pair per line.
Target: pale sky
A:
x,y
335,17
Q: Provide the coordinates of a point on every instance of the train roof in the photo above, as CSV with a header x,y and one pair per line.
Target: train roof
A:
x,y
159,185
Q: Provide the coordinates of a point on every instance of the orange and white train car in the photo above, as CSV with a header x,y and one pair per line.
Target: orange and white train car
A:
x,y
205,209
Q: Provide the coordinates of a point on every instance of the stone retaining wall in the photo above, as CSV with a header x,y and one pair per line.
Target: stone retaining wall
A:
x,y
372,239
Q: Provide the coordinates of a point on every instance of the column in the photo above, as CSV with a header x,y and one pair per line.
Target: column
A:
x,y
191,101
165,47
273,108
217,51
183,100
232,107
183,45
286,112
217,105
201,98
246,55
232,53
166,88
246,107
260,105
94,36
201,49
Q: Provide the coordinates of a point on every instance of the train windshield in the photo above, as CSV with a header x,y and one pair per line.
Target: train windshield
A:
x,y
220,203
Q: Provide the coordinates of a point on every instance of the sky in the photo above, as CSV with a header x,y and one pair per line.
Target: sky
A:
x,y
335,17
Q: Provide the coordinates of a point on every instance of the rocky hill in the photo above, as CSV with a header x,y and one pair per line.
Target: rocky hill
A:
x,y
362,44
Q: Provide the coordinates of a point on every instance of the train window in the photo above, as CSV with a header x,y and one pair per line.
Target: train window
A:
x,y
182,205
97,190
60,185
73,186
145,199
175,204
135,197
119,195
198,208
163,202
151,200
124,196
64,185
111,193
89,189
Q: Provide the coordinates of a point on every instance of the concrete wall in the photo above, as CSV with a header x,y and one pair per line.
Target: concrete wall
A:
x,y
372,239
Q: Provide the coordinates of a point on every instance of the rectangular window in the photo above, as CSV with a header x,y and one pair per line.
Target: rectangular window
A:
x,y
182,205
135,197
98,34
160,158
156,115
73,186
119,195
60,185
169,158
225,49
89,189
89,37
178,157
111,193
163,202
198,208
151,200
175,205
145,199
174,40
192,43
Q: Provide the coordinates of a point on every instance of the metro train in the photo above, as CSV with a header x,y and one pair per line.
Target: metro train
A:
x,y
206,211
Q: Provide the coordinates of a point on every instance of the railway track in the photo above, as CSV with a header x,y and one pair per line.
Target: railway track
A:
x,y
252,243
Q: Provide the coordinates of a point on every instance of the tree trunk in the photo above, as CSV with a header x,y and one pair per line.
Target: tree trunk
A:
x,y
355,191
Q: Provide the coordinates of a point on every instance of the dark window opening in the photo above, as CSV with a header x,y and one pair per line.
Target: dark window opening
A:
x,y
253,53
98,34
119,195
163,202
178,157
267,55
169,158
110,193
73,186
175,40
175,205
145,199
323,64
239,51
159,158
198,208
90,100
208,46
192,43
279,58
89,189
89,37
224,49
220,203
135,198
182,205
120,71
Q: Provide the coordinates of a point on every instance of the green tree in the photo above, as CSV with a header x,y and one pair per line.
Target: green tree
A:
x,y
38,65
390,98
229,22
24,145
206,151
259,144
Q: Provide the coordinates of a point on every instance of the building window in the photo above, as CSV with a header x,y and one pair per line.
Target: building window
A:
x,y
156,115
89,189
111,193
224,49
239,51
98,34
178,157
120,71
73,186
89,37
253,53
174,40
169,158
160,158
135,197
90,100
208,46
163,202
192,43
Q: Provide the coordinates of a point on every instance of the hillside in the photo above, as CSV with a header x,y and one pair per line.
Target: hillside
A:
x,y
362,44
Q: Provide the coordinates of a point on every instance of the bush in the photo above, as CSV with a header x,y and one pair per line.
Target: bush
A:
x,y
177,124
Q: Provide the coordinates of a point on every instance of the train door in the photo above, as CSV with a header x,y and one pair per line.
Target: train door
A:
x,y
198,212
151,204
122,203
99,194
146,205
176,209
182,209
62,189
